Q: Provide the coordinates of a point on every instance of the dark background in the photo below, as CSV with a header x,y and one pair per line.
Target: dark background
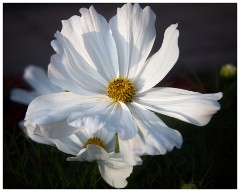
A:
x,y
208,157
208,33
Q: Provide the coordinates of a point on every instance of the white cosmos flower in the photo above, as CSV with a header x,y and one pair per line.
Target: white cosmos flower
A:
x,y
92,143
111,166
37,78
106,68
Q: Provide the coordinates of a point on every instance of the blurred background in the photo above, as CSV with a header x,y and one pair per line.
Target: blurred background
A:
x,y
208,33
208,41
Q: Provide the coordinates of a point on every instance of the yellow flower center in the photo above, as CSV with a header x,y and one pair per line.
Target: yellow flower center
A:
x,y
121,89
95,141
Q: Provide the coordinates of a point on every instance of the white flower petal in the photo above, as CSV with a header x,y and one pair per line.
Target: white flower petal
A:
x,y
51,111
108,137
55,130
72,30
91,124
157,66
81,73
115,171
71,144
76,158
51,108
129,128
119,119
39,139
65,147
188,106
100,108
91,36
99,42
94,126
39,81
132,149
58,75
90,128
22,96
134,32
91,153
115,117
111,117
153,138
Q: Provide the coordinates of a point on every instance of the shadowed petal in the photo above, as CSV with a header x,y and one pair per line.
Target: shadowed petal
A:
x,y
22,96
91,153
92,38
115,116
134,32
39,81
115,171
157,66
37,138
48,112
80,72
153,138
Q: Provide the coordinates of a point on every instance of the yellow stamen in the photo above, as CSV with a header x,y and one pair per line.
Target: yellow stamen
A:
x,y
95,141
121,89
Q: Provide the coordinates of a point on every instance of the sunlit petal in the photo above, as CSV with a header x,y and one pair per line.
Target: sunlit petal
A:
x,y
188,106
